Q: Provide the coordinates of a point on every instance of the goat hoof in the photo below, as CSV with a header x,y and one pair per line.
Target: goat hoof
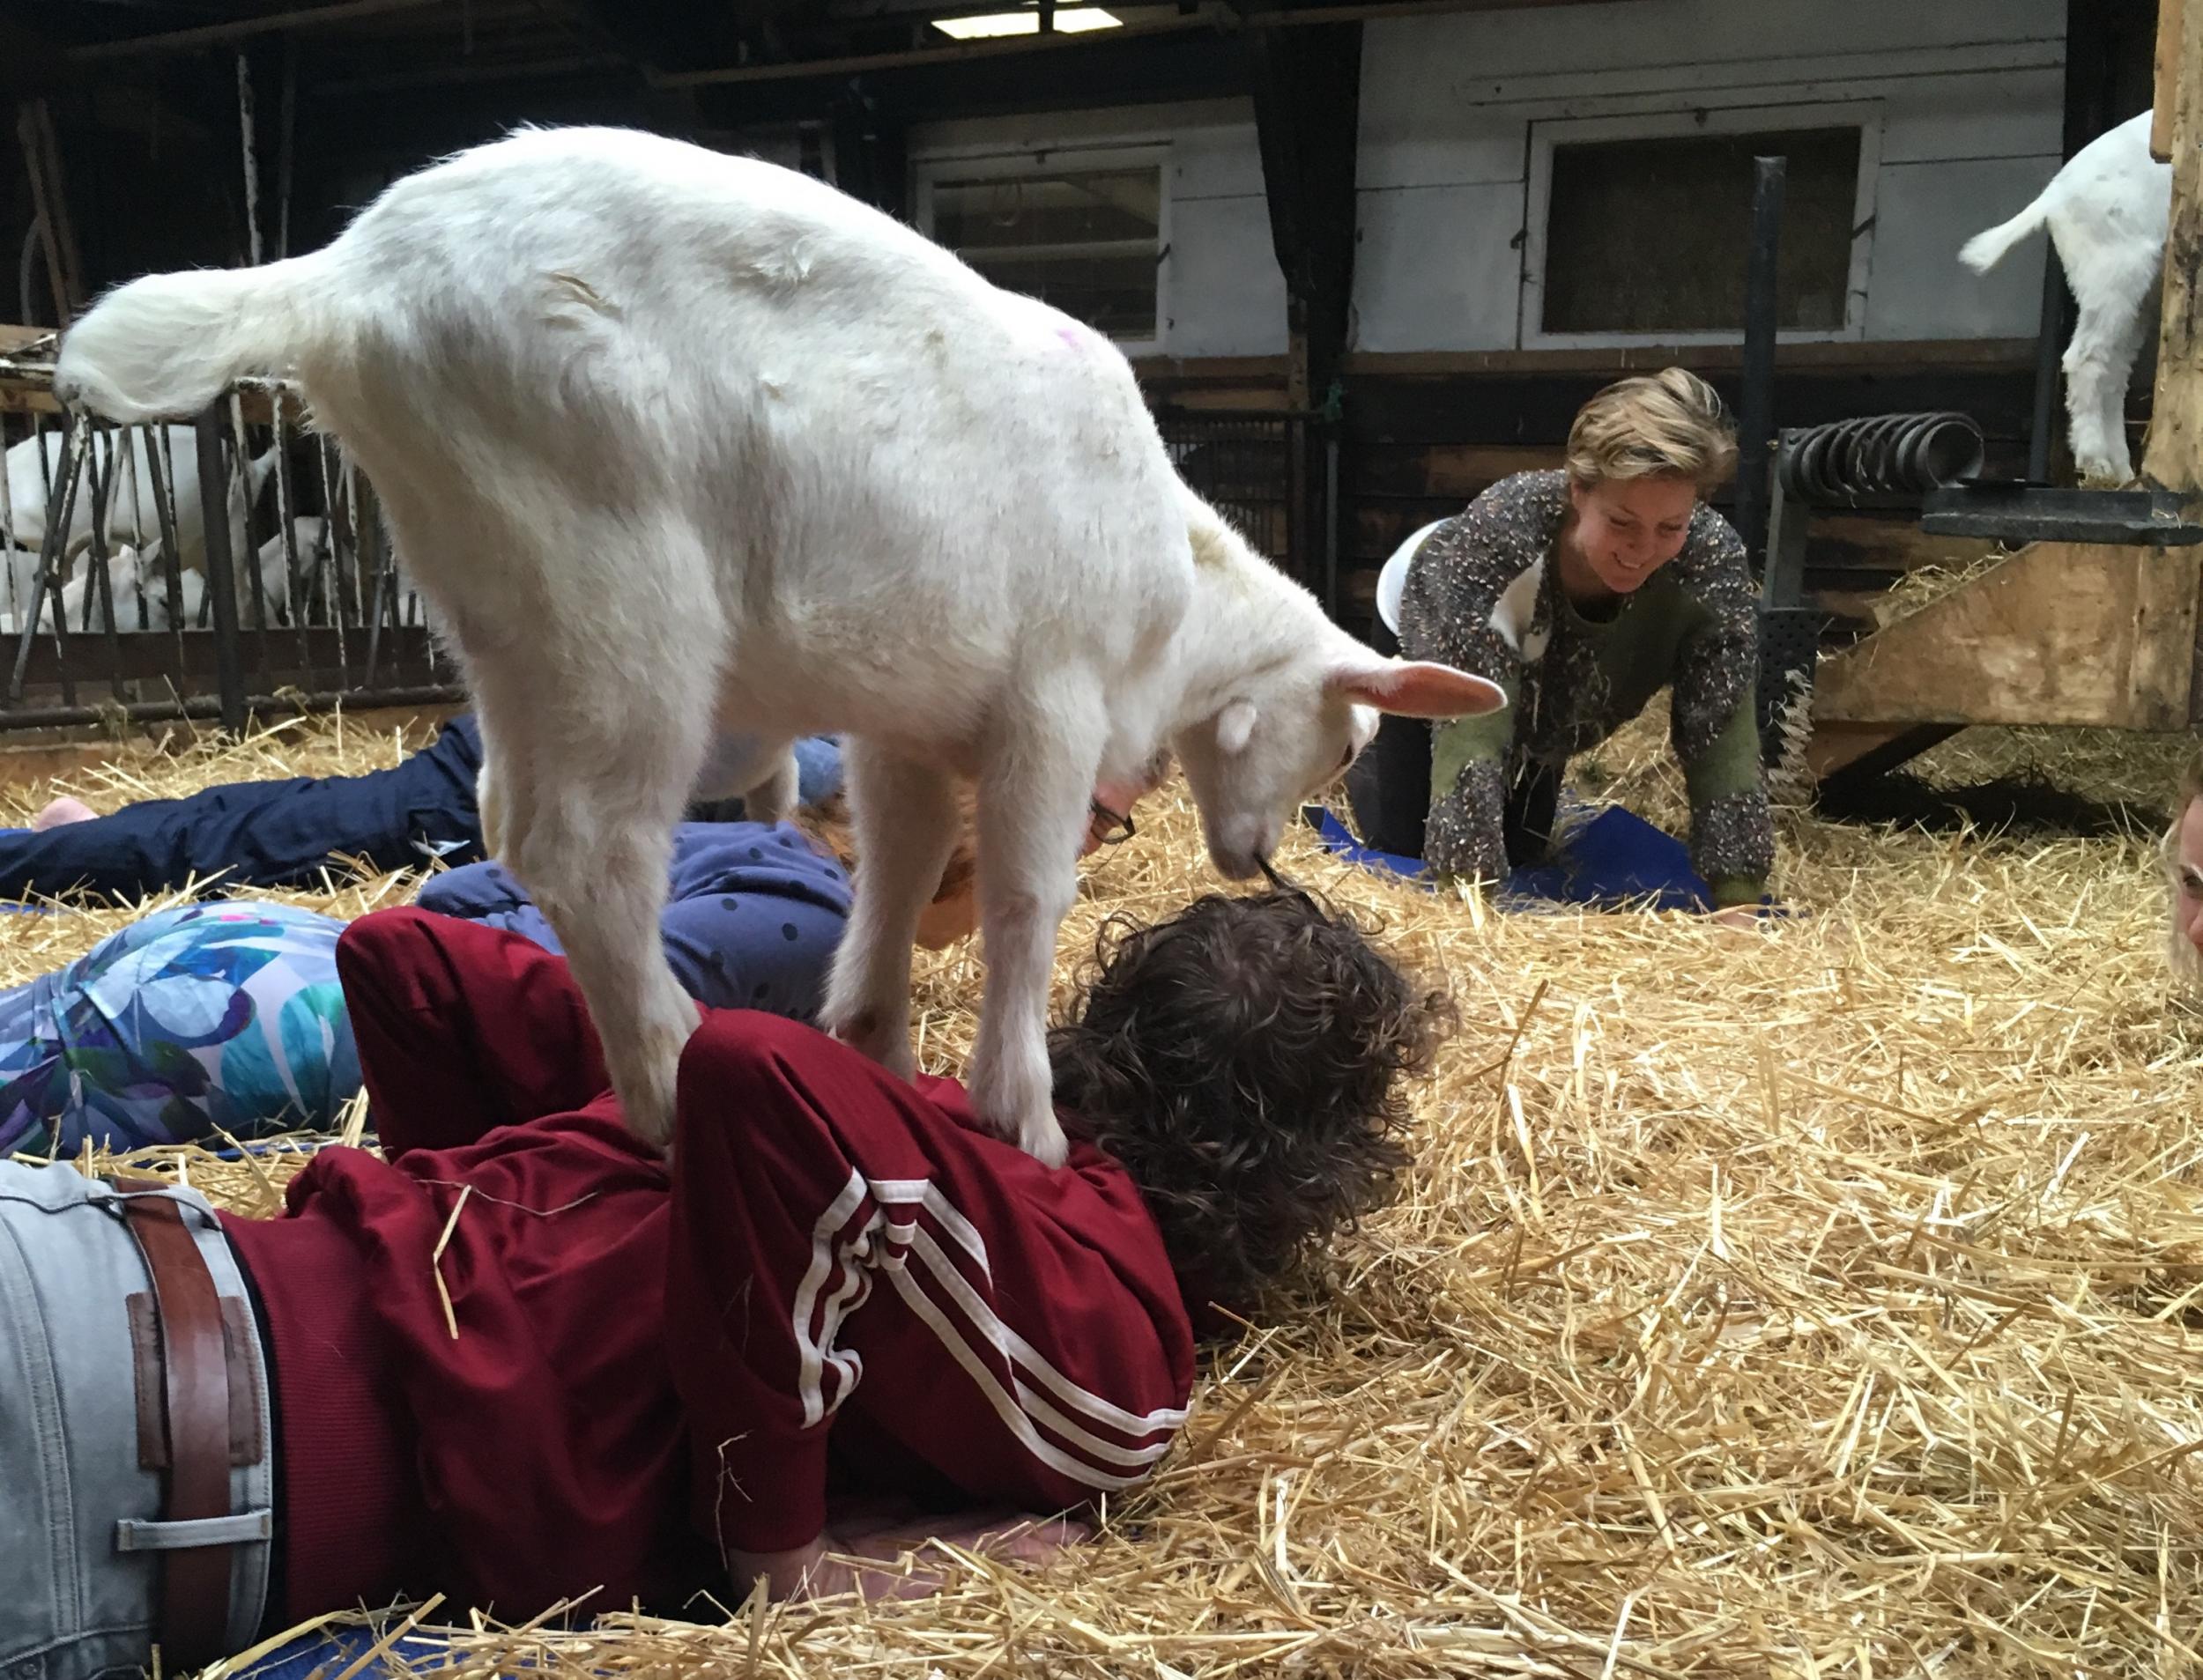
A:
x,y
1046,1144
1018,1107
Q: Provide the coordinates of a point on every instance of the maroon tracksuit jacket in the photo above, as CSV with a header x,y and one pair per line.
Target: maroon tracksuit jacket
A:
x,y
842,1286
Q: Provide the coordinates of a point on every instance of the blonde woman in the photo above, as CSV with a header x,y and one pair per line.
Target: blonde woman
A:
x,y
1583,592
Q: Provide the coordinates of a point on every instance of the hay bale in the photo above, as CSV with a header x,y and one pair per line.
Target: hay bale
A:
x,y
1823,1301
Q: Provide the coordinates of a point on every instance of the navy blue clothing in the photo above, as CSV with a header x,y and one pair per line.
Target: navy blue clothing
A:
x,y
283,833
263,833
752,919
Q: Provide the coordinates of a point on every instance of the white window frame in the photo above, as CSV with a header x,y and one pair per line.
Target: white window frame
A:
x,y
935,166
1865,115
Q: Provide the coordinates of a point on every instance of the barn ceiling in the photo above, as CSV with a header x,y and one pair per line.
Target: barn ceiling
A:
x,y
366,46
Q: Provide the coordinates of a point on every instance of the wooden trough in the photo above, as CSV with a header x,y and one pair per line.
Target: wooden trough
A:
x,y
2092,634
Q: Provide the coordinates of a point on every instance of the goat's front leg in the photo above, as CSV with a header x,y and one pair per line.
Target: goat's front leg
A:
x,y
905,818
1034,805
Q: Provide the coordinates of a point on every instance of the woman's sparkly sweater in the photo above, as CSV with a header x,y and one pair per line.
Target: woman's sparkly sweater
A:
x,y
1483,594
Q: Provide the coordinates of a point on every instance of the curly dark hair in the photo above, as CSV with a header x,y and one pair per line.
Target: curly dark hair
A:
x,y
1245,1061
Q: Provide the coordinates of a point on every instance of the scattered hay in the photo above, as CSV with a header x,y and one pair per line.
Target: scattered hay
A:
x,y
1924,585
1822,1301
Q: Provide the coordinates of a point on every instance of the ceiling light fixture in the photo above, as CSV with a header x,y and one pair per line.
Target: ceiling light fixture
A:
x,y
1070,20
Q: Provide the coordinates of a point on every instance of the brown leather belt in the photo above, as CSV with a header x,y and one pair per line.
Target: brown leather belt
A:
x,y
198,1416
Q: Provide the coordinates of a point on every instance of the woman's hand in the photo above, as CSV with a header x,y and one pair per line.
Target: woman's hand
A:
x,y
896,1550
1737,915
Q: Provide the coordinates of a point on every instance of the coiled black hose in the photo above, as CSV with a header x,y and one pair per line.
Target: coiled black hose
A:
x,y
1878,454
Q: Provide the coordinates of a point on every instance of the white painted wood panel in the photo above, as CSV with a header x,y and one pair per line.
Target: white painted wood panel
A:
x,y
1919,289
1227,294
1438,267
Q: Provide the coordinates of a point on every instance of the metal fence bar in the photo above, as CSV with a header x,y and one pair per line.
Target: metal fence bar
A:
x,y
50,549
99,584
221,578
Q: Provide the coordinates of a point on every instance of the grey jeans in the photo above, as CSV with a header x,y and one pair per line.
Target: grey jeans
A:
x,y
80,1539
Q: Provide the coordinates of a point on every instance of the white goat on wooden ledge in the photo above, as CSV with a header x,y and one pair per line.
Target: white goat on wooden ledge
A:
x,y
676,441
2107,211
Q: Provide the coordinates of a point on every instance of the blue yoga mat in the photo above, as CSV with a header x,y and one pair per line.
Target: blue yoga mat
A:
x,y
329,1652
1606,861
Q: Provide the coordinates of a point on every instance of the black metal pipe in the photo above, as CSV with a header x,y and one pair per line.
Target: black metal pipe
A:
x,y
1755,416
2042,427
221,574
55,717
50,549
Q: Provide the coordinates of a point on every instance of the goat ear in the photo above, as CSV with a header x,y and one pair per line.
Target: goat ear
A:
x,y
1235,727
1416,688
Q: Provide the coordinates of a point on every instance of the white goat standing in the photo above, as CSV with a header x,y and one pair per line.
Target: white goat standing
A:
x,y
2107,211
674,440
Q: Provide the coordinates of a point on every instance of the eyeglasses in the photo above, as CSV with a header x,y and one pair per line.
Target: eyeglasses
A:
x,y
1109,827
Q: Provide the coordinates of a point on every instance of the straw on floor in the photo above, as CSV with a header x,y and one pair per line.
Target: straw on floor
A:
x,y
1825,1301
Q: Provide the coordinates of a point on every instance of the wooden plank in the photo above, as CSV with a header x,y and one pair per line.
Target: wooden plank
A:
x,y
2173,17
2173,457
1454,470
2061,634
1835,746
1848,356
175,41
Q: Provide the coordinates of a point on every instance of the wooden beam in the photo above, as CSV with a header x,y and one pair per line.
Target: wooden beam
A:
x,y
49,195
1909,355
2060,633
1866,749
177,41
2173,457
2172,19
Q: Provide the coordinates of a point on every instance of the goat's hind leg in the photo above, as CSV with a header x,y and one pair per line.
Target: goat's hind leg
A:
x,y
592,773
904,815
2099,363
761,772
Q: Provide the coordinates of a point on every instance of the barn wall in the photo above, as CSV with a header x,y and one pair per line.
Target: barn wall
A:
x,y
1224,292
1967,96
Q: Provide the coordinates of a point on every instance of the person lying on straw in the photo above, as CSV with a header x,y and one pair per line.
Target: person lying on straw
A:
x,y
1583,592
225,1021
2182,850
517,1359
289,833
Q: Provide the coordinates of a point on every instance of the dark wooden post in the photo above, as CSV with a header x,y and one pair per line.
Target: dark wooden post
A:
x,y
1308,87
2176,420
1763,320
221,575
872,150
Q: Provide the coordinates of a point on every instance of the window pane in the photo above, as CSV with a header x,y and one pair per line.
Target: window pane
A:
x,y
1048,209
1087,243
1653,235
1115,295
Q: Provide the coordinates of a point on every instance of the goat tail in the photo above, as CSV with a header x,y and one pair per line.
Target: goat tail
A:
x,y
1985,249
167,345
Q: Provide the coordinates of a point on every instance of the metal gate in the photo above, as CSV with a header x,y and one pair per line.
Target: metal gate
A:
x,y
232,565
1267,473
